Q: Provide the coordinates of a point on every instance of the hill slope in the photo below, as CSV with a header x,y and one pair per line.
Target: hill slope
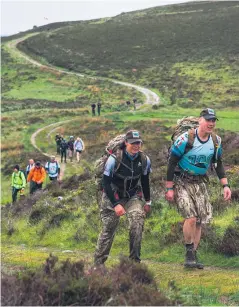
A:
x,y
179,50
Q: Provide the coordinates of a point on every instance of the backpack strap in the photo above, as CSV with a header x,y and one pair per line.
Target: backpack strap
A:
x,y
143,158
216,142
191,138
119,158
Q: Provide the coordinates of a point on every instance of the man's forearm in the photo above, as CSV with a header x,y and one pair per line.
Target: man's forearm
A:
x,y
172,163
145,186
108,190
220,169
169,184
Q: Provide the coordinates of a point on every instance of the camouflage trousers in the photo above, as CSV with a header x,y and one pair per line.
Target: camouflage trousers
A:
x,y
192,200
134,208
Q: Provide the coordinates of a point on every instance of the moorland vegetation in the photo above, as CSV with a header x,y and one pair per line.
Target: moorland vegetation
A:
x,y
187,54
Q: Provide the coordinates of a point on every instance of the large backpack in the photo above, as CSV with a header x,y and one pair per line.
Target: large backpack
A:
x,y
47,166
189,124
115,149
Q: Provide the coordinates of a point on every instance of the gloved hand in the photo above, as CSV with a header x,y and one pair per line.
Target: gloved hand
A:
x,y
119,210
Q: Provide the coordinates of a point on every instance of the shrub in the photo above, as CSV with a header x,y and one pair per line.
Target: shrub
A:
x,y
68,284
230,242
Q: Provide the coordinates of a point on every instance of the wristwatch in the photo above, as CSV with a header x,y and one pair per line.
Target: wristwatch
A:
x,y
168,189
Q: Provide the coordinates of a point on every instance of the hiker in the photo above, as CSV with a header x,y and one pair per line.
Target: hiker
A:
x,y
36,177
70,145
58,140
29,166
190,158
18,182
53,169
134,101
79,146
122,194
93,106
128,103
98,107
63,149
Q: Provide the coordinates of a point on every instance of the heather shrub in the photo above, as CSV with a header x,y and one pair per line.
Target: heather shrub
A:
x,y
67,283
229,245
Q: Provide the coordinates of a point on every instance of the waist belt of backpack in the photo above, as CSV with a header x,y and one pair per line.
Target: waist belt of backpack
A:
x,y
191,178
128,193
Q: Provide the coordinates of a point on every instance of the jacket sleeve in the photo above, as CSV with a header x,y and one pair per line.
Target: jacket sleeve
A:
x,y
23,180
172,163
145,186
108,190
29,177
43,174
220,169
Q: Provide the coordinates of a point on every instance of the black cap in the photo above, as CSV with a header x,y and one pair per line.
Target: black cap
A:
x,y
208,114
38,163
133,136
17,167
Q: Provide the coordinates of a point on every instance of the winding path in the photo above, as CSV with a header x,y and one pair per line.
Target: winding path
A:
x,y
151,97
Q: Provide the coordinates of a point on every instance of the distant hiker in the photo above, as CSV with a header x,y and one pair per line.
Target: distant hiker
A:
x,y
98,107
191,156
134,101
63,149
18,182
58,140
71,147
29,166
53,169
79,146
36,177
123,185
128,103
93,106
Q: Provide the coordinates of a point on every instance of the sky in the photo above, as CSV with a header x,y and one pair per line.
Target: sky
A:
x,y
20,15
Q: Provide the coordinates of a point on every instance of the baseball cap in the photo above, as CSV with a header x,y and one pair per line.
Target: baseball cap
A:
x,y
38,163
133,136
208,114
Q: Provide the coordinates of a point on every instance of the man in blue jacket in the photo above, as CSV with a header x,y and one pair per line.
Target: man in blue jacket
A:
x,y
187,182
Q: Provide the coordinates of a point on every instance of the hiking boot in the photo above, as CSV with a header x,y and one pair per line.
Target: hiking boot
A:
x,y
199,264
190,260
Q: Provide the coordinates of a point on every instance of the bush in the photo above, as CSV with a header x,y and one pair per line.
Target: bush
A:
x,y
69,284
230,242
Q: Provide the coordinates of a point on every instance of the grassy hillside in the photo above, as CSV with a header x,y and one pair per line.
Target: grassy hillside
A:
x,y
188,55
27,87
188,52
69,227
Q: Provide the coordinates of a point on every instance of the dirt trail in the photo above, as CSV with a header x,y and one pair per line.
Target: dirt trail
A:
x,y
151,97
33,142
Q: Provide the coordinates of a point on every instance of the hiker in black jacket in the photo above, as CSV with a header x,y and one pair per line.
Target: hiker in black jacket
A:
x,y
124,188
63,148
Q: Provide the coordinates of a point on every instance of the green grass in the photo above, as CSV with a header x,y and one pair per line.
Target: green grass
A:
x,y
188,58
228,118
34,98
